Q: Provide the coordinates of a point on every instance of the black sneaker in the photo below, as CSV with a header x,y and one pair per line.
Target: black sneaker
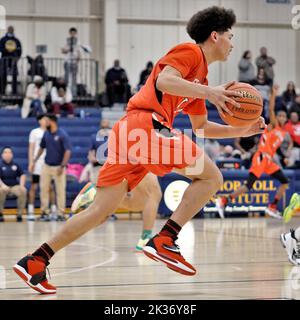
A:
x,y
60,217
1,217
33,271
44,217
113,217
19,218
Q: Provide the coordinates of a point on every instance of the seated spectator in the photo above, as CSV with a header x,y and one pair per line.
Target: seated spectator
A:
x,y
289,96
295,107
246,68
293,128
212,148
247,146
117,87
263,85
33,104
12,182
145,74
91,170
37,67
229,153
283,153
61,98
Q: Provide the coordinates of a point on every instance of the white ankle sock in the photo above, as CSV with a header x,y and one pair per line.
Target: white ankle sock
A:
x,y
53,208
297,233
30,209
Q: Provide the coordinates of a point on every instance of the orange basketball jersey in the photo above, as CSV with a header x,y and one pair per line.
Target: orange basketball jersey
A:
x,y
271,140
190,61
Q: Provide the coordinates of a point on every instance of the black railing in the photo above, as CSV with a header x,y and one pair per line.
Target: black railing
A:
x,y
16,74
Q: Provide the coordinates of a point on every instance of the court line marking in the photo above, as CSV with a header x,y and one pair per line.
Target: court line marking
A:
x,y
195,264
165,283
113,257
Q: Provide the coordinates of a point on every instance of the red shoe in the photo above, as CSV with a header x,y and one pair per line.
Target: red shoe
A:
x,y
165,249
33,271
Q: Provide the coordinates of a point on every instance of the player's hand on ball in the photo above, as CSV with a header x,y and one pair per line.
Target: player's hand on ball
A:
x,y
256,128
219,96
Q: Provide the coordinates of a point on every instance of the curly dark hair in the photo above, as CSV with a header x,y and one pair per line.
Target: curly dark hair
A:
x,y
204,22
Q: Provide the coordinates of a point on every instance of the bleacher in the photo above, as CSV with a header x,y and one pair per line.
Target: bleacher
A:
x,y
14,132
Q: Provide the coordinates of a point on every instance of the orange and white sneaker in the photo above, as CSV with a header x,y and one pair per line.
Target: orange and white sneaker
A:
x,y
164,249
84,198
33,271
221,203
273,212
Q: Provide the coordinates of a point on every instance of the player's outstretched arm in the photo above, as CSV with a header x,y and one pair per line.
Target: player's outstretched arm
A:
x,y
274,92
214,130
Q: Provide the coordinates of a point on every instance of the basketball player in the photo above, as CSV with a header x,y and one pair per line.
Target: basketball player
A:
x,y
263,161
177,83
145,197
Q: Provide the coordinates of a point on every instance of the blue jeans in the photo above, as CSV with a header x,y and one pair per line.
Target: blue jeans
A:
x,y
36,108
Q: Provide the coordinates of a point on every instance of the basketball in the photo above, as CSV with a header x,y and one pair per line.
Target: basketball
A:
x,y
251,106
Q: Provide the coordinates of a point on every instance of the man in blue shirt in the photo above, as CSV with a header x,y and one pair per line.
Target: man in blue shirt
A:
x,y
57,144
12,181
96,141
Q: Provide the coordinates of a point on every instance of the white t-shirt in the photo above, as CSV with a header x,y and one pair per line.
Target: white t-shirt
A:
x,y
35,137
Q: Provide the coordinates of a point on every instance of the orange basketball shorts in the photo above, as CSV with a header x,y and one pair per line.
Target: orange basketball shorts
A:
x,y
262,164
136,148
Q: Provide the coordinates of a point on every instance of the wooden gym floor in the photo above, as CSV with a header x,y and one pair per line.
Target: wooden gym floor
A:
x,y
236,259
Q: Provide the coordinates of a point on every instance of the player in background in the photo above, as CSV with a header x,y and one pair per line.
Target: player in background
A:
x,y
263,161
144,198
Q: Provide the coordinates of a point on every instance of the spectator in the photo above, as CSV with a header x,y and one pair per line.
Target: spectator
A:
x,y
246,68
61,98
263,85
73,55
213,148
289,96
293,128
91,170
33,104
247,146
284,151
229,153
117,87
56,142
12,182
35,138
11,51
265,62
296,106
145,74
37,67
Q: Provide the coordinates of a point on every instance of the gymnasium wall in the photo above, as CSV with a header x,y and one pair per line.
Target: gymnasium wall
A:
x,y
259,24
147,28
